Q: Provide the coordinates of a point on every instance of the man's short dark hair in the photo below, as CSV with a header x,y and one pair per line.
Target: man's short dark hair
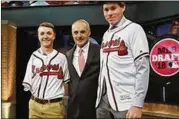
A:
x,y
48,24
120,3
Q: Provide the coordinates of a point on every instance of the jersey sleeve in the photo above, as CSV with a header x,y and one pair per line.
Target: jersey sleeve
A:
x,y
140,49
27,82
66,71
142,81
139,43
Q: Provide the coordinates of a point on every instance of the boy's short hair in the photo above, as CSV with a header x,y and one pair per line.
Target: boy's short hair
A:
x,y
48,24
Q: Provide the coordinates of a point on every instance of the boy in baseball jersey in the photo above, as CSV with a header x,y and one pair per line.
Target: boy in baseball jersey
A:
x,y
45,76
124,66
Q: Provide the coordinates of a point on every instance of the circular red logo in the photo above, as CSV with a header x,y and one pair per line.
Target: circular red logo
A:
x,y
164,57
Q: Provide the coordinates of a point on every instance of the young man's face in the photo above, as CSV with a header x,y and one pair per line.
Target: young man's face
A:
x,y
46,36
113,13
80,33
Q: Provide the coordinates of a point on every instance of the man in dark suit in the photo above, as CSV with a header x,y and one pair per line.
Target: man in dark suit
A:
x,y
84,66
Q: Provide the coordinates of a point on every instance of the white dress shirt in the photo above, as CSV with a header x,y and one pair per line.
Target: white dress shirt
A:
x,y
76,54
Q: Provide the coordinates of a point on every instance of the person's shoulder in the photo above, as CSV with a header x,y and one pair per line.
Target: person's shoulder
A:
x,y
69,52
61,55
105,33
36,52
95,46
34,55
135,26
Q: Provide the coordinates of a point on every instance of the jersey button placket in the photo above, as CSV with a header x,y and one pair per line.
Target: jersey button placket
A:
x,y
46,60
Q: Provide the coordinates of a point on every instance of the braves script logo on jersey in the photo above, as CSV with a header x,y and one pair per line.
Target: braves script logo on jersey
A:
x,y
117,46
47,70
164,57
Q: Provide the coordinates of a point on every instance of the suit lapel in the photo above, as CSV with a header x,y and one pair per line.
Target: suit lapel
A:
x,y
71,61
89,58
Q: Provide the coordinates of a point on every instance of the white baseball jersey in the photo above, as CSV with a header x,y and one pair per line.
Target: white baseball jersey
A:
x,y
46,74
123,66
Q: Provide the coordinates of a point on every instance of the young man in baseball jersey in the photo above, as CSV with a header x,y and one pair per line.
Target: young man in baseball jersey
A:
x,y
46,73
124,70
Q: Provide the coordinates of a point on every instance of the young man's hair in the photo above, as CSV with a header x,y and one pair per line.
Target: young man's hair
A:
x,y
120,3
48,24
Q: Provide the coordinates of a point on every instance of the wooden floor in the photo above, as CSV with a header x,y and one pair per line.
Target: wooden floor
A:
x,y
148,116
158,117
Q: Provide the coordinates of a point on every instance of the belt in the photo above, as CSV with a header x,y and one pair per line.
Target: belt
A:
x,y
41,101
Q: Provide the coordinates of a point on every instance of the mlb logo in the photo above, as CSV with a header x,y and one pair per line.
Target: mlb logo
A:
x,y
173,64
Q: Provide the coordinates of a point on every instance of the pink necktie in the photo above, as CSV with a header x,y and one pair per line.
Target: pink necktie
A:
x,y
81,60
